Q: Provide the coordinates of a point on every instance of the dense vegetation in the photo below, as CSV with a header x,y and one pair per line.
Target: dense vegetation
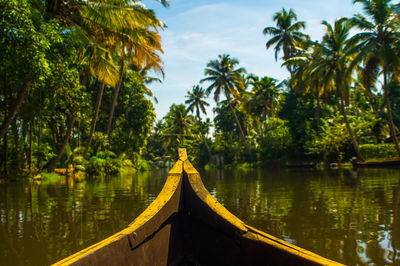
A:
x,y
74,76
341,99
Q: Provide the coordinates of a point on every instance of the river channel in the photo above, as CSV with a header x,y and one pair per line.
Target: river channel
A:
x,y
351,216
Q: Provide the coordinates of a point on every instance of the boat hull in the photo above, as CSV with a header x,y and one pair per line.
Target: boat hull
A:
x,y
185,225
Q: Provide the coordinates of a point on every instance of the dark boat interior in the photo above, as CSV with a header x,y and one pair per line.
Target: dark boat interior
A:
x,y
185,225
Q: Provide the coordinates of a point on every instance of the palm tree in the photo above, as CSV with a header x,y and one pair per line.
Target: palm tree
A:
x,y
286,35
378,48
142,55
196,102
178,123
263,98
140,43
332,64
304,81
226,78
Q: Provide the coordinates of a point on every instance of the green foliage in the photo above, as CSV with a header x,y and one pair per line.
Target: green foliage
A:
x,y
134,117
22,43
335,136
142,165
300,113
62,60
224,119
103,166
227,145
275,140
378,151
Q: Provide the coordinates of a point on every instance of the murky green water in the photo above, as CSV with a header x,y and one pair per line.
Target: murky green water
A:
x,y
349,216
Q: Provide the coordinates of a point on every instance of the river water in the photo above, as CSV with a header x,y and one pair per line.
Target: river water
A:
x,y
349,216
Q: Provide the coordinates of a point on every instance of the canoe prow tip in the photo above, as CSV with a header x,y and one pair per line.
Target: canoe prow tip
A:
x,y
182,154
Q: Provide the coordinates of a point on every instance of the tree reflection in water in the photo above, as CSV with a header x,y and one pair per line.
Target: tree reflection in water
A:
x,y
351,216
43,223
345,215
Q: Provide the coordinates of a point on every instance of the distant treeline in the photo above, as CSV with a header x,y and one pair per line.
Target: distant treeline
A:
x,y
341,100
74,91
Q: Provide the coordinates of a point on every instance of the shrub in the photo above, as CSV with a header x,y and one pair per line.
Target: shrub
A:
x,y
375,151
275,140
99,166
112,166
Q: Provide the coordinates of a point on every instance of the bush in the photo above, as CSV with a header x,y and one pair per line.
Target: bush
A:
x,y
99,166
112,167
375,151
275,140
141,164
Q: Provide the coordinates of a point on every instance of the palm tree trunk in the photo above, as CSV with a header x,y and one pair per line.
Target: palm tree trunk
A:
x,y
51,165
85,76
202,135
31,124
5,169
5,147
353,139
15,107
39,142
39,131
389,114
94,120
114,102
238,124
318,116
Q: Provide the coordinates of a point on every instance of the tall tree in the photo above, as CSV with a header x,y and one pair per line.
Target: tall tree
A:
x,y
286,34
178,123
378,47
140,42
333,64
305,81
226,79
23,48
197,103
263,98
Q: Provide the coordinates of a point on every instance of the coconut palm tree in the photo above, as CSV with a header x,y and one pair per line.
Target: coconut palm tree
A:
x,y
178,123
305,81
266,92
197,103
226,79
286,34
141,55
136,37
378,48
332,64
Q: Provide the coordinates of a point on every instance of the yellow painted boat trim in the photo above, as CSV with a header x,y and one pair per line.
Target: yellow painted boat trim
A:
x,y
166,193
174,179
249,232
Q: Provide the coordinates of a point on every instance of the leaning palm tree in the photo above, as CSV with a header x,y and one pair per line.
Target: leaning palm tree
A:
x,y
197,103
332,64
286,35
139,40
304,81
378,48
140,53
226,79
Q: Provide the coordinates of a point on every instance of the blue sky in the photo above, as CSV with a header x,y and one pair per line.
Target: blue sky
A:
x,y
198,31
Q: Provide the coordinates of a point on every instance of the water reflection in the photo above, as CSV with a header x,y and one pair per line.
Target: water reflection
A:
x,y
349,216
42,223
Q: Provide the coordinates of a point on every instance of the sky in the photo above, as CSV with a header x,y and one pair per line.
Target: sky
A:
x,y
199,30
